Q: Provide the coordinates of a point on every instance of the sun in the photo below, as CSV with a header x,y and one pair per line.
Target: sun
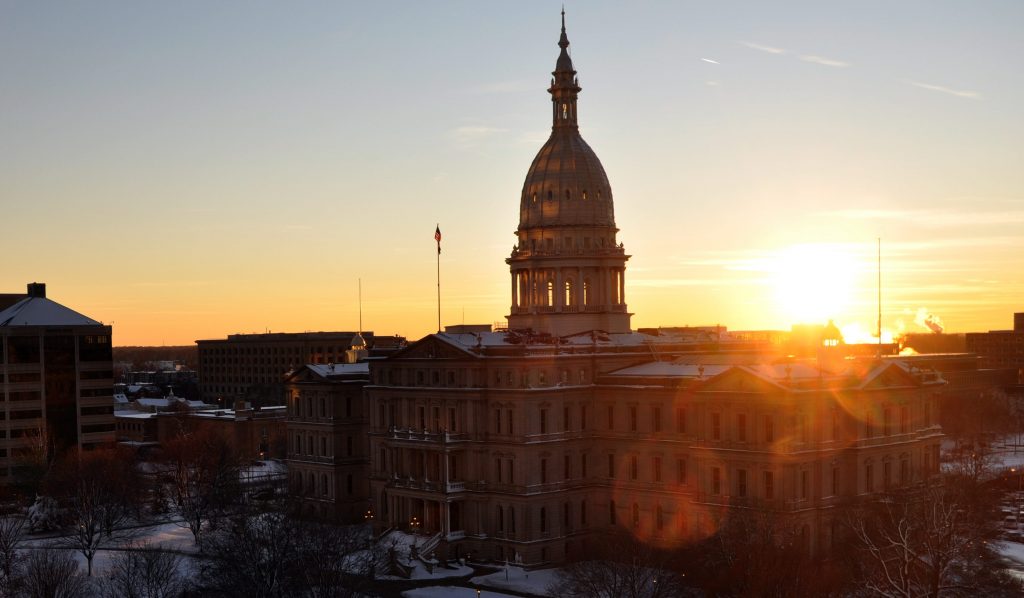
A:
x,y
813,282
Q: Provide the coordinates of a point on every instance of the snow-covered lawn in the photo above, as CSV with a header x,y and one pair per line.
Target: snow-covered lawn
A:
x,y
167,536
451,592
520,580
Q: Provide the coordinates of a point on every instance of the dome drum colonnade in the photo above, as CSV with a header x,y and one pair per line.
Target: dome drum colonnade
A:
x,y
568,274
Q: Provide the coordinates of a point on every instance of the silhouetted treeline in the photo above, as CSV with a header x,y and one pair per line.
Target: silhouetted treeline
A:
x,y
139,357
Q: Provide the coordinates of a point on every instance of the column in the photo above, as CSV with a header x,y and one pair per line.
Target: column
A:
x,y
622,286
515,291
559,289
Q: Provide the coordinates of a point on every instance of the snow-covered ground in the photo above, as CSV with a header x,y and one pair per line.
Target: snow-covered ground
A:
x,y
451,592
520,580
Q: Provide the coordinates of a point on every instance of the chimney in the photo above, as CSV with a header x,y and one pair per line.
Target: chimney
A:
x,y
37,289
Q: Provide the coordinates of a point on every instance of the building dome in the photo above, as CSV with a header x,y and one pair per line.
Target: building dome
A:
x,y
566,185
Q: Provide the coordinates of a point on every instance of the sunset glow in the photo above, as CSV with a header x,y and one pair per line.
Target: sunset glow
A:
x,y
240,172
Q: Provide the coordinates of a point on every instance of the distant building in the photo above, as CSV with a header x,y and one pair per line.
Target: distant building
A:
x,y
252,366
934,342
56,376
1001,348
328,458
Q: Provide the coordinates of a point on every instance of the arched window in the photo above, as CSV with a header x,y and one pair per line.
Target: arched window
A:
x,y
599,194
569,292
586,292
323,484
565,111
584,194
550,293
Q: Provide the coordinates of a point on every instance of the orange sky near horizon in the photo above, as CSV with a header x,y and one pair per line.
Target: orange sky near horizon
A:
x,y
187,178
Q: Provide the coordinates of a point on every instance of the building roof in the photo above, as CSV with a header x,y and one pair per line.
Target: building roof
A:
x,y
40,311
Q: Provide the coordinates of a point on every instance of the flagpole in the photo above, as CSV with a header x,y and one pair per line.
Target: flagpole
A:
x,y
437,237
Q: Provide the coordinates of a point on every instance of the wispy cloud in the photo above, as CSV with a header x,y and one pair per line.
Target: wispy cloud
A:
x,y
711,61
960,93
938,218
763,48
472,135
823,61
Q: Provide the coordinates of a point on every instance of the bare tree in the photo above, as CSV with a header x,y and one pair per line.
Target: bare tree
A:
x,y
923,543
620,566
253,557
98,493
143,571
52,574
337,561
203,468
12,531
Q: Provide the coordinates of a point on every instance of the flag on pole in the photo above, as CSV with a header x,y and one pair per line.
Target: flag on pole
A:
x,y
437,237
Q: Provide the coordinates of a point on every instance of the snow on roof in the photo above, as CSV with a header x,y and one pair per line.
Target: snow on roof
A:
x,y
134,414
337,369
40,311
663,369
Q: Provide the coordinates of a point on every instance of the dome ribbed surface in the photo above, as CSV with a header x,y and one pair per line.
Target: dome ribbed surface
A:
x,y
566,163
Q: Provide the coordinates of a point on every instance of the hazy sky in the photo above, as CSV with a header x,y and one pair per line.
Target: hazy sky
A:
x,y
192,169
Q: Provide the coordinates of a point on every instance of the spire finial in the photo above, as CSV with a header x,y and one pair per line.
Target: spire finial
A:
x,y
563,41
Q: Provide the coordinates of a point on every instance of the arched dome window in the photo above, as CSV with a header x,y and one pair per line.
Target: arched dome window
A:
x,y
534,197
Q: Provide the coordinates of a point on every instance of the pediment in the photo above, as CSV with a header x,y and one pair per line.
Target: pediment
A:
x,y
889,376
432,347
741,379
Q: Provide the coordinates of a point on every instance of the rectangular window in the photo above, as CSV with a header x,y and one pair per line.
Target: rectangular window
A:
x,y
769,428
611,417
681,471
887,421
769,485
497,421
634,467
869,477
583,512
508,420
611,466
611,512
741,483
741,427
657,469
887,474
583,417
583,466
716,426
543,471
657,419
543,421
805,484
681,420
566,467
835,481
632,418
904,419
716,480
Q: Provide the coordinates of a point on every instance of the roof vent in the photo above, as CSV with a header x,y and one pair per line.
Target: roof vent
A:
x,y
37,289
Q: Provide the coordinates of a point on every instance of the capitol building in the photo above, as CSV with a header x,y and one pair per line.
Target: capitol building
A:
x,y
525,443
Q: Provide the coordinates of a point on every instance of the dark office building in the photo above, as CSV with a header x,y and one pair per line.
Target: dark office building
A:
x,y
56,377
